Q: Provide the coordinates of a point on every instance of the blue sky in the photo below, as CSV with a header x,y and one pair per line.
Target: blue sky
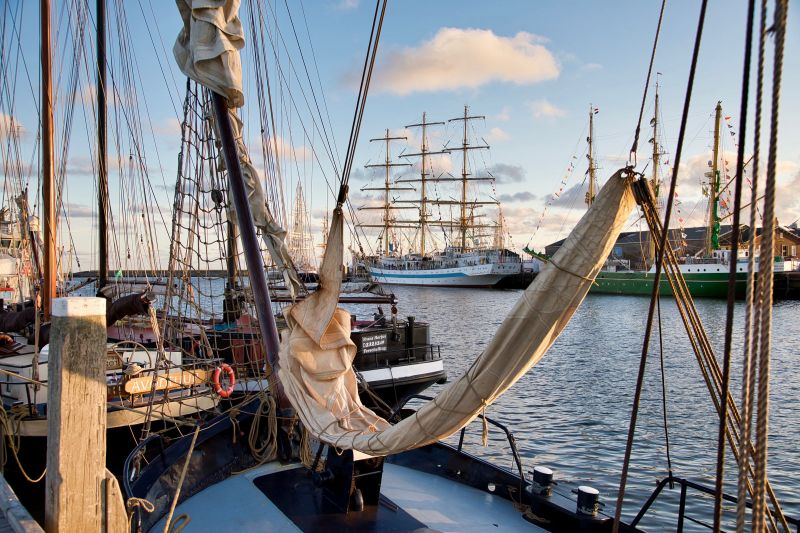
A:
x,y
532,68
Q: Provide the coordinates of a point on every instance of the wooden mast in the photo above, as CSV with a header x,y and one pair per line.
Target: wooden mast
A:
x,y
465,221
651,248
591,193
713,187
424,152
102,152
387,187
48,293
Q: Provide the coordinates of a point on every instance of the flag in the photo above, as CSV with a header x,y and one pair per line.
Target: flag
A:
x,y
596,110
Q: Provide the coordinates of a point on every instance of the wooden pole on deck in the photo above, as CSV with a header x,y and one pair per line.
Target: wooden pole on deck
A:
x,y
77,488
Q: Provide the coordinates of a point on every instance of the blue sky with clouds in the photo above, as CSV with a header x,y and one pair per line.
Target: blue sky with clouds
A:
x,y
532,68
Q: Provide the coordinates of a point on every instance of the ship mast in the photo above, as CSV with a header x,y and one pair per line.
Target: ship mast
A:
x,y
591,193
102,155
387,206
651,248
300,240
712,227
464,220
48,186
423,153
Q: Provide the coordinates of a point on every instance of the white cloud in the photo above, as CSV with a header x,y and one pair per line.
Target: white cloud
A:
x,y
347,4
8,124
504,115
497,135
169,128
456,58
284,149
592,66
544,109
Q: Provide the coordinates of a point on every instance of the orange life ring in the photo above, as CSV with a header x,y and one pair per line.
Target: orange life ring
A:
x,y
226,392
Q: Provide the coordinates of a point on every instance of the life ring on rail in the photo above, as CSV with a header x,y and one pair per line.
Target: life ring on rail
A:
x,y
227,391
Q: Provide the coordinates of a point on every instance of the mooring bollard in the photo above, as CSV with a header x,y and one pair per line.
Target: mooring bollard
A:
x,y
76,416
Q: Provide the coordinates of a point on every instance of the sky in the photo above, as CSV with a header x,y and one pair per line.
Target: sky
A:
x,y
532,69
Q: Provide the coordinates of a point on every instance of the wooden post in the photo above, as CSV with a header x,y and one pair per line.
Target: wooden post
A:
x,y
75,488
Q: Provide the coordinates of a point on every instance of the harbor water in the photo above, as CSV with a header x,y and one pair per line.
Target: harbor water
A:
x,y
571,411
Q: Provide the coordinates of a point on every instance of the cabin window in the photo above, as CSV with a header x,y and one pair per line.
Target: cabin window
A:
x,y
784,250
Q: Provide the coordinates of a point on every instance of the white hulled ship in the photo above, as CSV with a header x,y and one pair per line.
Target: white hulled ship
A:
x,y
468,260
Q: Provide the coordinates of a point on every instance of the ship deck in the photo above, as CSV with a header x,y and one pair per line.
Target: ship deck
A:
x,y
411,500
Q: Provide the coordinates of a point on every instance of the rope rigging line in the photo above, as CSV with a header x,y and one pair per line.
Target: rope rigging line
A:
x,y
635,145
751,310
701,345
765,279
660,258
734,261
366,76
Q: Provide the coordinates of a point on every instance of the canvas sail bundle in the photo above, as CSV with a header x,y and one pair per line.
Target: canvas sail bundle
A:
x,y
207,51
315,364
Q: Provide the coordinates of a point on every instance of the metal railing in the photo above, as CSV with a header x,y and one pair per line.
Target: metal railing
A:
x,y
685,484
512,442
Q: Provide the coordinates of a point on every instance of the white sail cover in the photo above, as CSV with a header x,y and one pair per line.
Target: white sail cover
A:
x,y
315,363
207,51
207,48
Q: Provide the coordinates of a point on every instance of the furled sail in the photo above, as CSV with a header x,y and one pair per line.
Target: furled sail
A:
x,y
315,362
207,51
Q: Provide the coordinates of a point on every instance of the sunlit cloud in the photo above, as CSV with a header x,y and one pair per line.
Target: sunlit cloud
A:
x,y
504,115
544,109
466,58
10,127
497,135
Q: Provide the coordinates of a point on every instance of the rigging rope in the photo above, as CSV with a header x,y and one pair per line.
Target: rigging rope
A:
x,y
734,261
657,278
363,90
634,147
765,280
751,310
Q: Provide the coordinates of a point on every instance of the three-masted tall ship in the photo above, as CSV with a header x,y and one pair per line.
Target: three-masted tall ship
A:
x,y
473,256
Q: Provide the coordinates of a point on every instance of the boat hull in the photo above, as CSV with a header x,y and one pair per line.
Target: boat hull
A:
x,y
708,285
786,285
477,276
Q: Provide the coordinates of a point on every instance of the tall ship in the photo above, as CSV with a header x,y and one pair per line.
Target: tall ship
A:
x,y
706,271
473,255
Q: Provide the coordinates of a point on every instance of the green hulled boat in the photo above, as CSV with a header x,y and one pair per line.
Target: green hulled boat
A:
x,y
705,278
701,285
